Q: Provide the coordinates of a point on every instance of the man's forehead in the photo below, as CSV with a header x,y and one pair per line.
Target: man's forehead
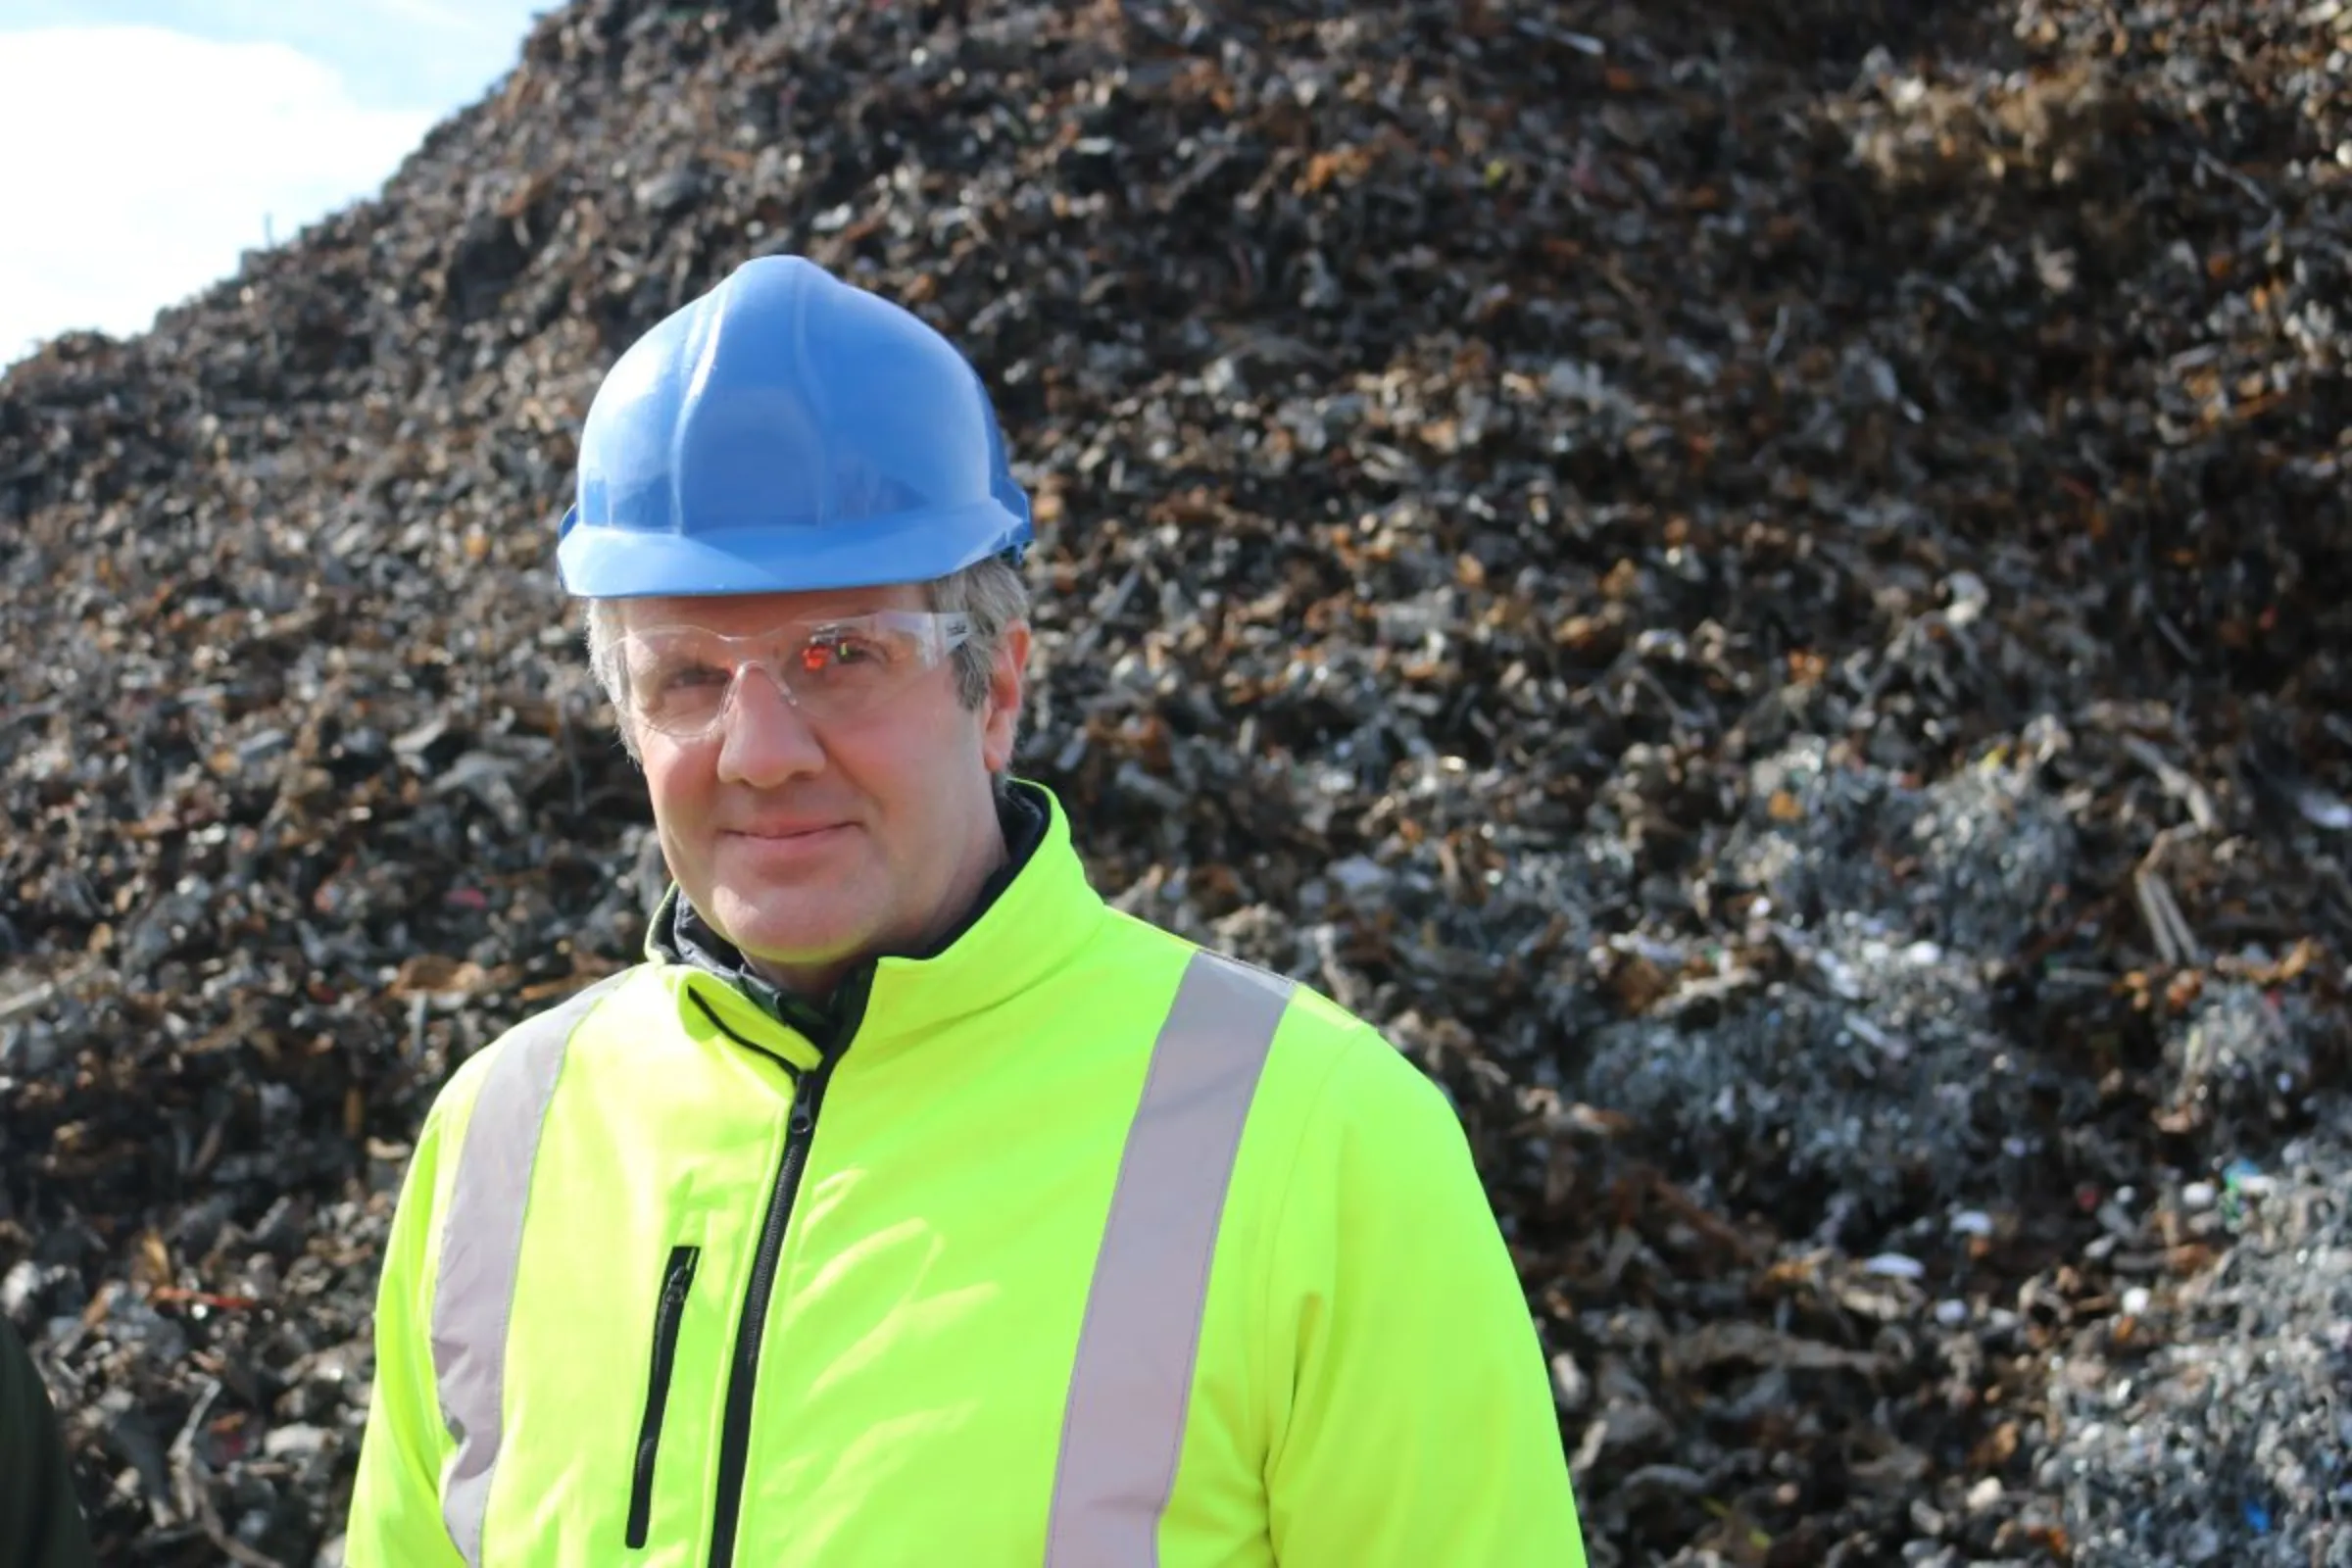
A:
x,y
748,612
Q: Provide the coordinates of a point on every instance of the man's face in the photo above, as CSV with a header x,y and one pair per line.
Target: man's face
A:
x,y
813,841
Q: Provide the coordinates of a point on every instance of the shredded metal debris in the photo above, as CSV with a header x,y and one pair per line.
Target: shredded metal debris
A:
x,y
1768,589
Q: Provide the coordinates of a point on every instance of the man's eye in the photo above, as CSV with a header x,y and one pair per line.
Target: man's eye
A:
x,y
838,653
686,676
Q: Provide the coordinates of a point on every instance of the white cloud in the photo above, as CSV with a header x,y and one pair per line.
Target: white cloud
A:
x,y
409,54
142,163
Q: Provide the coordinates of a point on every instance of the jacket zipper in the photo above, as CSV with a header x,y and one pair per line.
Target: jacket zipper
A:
x,y
735,1435
676,1280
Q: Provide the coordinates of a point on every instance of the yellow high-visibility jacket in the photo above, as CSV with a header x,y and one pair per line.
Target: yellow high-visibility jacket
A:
x,y
1070,1245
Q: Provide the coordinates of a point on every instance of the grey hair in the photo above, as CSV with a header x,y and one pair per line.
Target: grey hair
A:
x,y
992,592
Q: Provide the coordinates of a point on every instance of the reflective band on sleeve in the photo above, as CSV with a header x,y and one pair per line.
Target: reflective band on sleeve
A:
x,y
1123,1428
482,1252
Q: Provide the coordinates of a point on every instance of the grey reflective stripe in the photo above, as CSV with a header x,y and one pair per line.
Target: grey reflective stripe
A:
x,y
1123,1429
481,1250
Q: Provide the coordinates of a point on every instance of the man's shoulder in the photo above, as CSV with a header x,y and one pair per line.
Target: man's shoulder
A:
x,y
567,1012
1137,938
530,1048
1313,1021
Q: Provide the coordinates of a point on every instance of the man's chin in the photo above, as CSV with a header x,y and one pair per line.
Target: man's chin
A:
x,y
782,928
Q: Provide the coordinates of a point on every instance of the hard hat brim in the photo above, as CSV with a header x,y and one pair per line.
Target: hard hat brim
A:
x,y
606,562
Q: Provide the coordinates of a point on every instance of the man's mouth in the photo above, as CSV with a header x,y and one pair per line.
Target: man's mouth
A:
x,y
777,831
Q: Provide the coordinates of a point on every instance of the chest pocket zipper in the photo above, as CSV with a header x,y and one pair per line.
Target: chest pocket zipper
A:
x,y
676,1280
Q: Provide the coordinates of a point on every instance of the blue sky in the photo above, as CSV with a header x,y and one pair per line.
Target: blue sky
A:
x,y
149,143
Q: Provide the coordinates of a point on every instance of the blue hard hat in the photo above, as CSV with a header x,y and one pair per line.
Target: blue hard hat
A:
x,y
786,431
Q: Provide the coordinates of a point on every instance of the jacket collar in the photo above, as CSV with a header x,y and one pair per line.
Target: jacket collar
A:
x,y
1032,915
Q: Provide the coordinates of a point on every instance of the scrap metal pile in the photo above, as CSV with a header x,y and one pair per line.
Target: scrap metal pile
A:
x,y
1767,588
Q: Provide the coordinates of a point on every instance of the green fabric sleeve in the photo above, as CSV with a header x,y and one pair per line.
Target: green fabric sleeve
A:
x,y
1421,1427
41,1522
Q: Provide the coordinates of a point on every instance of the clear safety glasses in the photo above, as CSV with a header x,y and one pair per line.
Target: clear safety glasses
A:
x,y
681,681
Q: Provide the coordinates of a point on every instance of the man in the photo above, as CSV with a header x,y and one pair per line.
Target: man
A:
x,y
907,1205
40,1520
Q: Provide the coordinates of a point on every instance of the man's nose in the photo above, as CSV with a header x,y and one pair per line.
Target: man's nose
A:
x,y
764,741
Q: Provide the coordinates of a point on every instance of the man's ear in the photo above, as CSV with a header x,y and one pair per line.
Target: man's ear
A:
x,y
1001,714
